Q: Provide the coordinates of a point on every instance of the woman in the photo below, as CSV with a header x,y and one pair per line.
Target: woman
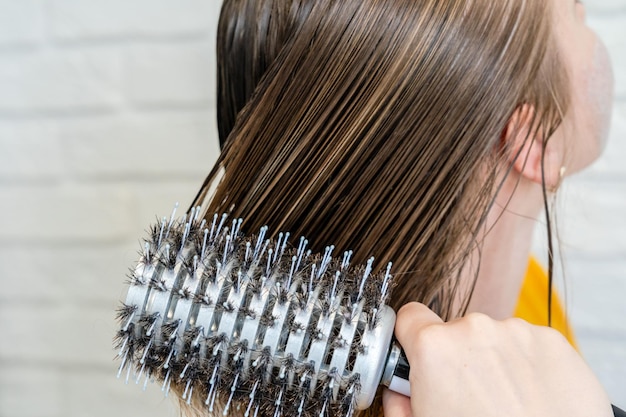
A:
x,y
428,133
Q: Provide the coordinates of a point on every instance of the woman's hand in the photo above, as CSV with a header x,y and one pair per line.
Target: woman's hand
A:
x,y
479,367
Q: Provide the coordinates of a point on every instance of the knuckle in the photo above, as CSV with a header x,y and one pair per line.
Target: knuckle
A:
x,y
406,311
478,321
517,324
553,336
533,335
518,330
428,338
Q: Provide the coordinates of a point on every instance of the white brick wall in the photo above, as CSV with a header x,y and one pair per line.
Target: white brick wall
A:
x,y
107,118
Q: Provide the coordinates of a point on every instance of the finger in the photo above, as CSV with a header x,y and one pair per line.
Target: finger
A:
x,y
411,319
396,405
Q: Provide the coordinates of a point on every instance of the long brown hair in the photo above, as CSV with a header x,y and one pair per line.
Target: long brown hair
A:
x,y
376,125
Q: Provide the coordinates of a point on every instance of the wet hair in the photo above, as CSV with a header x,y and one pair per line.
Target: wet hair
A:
x,y
377,125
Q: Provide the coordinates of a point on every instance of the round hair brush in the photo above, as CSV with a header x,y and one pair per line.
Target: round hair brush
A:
x,y
257,324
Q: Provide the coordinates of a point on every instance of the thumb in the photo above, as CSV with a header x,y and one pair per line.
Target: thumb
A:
x,y
411,319
396,405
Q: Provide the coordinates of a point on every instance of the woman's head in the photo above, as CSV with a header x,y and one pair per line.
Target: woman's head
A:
x,y
378,125
388,126
252,33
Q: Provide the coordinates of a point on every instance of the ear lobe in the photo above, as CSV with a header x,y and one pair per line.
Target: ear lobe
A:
x,y
527,148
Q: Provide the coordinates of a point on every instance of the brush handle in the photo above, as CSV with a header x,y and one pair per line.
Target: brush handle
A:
x,y
396,373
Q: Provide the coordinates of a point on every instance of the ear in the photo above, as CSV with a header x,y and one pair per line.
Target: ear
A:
x,y
526,147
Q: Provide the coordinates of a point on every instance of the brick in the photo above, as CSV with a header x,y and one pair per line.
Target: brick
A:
x,y
71,213
67,334
30,391
92,275
171,74
29,150
21,22
100,394
77,20
163,145
58,81
154,201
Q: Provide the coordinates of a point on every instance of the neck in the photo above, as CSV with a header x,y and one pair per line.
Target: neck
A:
x,y
506,247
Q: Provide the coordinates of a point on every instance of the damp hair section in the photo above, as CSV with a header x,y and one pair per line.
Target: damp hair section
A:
x,y
377,126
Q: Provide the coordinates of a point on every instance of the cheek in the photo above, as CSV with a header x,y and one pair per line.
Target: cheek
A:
x,y
588,123
600,95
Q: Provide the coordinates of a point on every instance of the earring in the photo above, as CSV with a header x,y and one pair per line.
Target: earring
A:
x,y
562,172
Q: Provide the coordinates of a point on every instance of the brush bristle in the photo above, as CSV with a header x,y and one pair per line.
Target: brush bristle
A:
x,y
235,320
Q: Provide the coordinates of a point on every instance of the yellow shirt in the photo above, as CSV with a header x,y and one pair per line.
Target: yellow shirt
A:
x,y
532,304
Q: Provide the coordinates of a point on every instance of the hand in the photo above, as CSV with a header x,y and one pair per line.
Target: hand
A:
x,y
479,367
